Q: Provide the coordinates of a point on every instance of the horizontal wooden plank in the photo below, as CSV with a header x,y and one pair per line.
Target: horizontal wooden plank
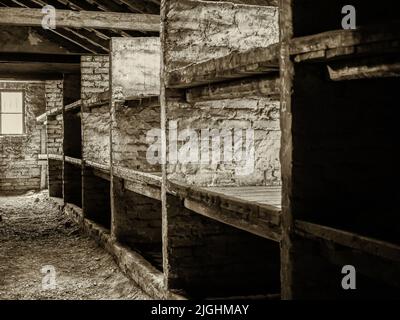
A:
x,y
101,174
348,239
73,106
233,209
81,19
147,190
142,177
143,101
380,38
364,69
265,86
56,157
55,111
74,161
97,100
98,166
235,65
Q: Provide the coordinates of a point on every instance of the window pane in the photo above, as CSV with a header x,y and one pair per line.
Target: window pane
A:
x,y
11,102
12,124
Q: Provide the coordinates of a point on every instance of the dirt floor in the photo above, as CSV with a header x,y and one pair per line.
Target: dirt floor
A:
x,y
34,234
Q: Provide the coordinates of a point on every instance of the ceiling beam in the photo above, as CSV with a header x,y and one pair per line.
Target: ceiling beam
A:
x,y
39,57
82,19
30,76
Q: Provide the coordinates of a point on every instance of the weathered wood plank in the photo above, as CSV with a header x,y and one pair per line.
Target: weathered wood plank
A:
x,y
101,174
73,106
55,157
266,86
368,245
143,189
98,166
363,70
345,38
133,175
97,100
286,153
260,219
81,19
145,101
74,161
235,65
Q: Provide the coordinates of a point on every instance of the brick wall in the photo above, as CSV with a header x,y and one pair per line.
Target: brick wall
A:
x,y
198,31
135,72
19,167
95,123
54,130
207,258
54,99
137,222
96,198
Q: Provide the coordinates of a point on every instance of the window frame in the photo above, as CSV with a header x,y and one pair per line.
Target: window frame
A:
x,y
23,112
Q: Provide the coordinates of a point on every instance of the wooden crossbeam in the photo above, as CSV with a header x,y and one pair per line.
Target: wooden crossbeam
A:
x,y
233,66
81,19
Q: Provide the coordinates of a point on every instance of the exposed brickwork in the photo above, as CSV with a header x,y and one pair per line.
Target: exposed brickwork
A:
x,y
55,176
138,222
54,130
95,123
135,72
96,199
198,31
130,143
72,184
54,99
208,258
19,166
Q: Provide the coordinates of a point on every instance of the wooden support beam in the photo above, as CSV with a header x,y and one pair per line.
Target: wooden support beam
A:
x,y
55,157
364,69
81,19
266,87
348,239
74,161
260,219
97,100
136,102
331,44
73,106
233,66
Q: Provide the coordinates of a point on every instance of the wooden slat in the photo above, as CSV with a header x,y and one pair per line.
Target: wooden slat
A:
x,y
55,157
230,208
368,245
318,45
145,101
74,161
98,166
286,152
143,189
363,70
81,19
133,175
235,65
147,184
73,106
97,100
266,86
101,174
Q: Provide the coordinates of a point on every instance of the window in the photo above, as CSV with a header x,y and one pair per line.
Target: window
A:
x,y
11,113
